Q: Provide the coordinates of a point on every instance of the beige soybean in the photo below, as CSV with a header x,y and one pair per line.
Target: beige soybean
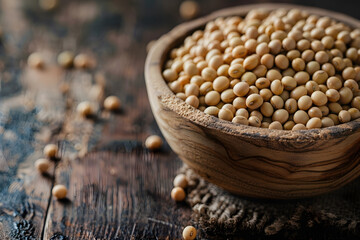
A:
x,y
334,83
180,181
344,116
236,70
280,115
262,83
267,60
42,165
305,102
257,114
223,70
276,125
189,9
266,94
239,102
241,89
348,73
249,78
50,150
312,67
356,102
153,142
315,112
251,62
242,112
267,109
335,118
354,112
221,83
277,87
321,57
35,60
314,122
273,74
262,49
289,125
227,96
192,89
329,69
59,191
234,82
285,95
346,95
190,69
281,61
205,88
65,59
254,101
334,107
298,92
299,126
112,103
320,77
250,45
293,54
260,71
254,121
189,233
332,95
291,105
225,114
212,110
324,110
301,77
212,98
277,102
352,84
298,64
193,100
275,46
239,52
288,82
327,122
208,74
319,98
178,194
289,72
311,86
301,116
240,120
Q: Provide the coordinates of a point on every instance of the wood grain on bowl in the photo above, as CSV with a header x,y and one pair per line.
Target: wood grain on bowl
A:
x,y
245,160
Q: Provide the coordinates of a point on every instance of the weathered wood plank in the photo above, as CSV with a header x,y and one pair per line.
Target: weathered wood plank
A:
x,y
117,189
31,110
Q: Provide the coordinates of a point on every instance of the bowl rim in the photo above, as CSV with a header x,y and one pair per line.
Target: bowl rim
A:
x,y
159,53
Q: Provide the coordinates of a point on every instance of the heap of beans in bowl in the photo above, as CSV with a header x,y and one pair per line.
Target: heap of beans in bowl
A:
x,y
278,69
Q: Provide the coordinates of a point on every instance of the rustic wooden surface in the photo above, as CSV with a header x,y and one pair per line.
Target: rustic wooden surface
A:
x,y
117,189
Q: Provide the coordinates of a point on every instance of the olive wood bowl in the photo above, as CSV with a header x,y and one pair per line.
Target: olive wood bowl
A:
x,y
245,160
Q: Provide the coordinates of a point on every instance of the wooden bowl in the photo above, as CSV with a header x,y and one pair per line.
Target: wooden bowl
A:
x,y
245,160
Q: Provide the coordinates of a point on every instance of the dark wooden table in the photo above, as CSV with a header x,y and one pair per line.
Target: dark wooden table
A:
x,y
117,189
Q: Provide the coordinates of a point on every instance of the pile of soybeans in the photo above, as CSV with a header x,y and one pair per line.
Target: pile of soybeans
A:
x,y
273,69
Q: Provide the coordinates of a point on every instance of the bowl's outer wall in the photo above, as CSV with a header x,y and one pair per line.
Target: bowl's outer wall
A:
x,y
247,160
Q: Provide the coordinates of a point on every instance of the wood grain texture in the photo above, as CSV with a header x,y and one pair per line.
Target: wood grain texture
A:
x,y
117,189
245,160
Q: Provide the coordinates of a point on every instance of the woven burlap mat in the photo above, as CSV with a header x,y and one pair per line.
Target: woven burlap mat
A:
x,y
220,214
